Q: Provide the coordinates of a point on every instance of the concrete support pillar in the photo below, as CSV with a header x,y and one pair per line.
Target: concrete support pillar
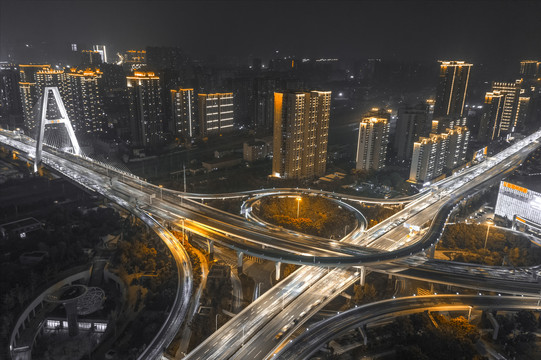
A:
x,y
495,324
71,312
278,272
240,254
362,275
211,249
362,331
432,288
432,252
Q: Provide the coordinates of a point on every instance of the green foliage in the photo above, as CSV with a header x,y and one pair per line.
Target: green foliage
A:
x,y
417,338
502,247
317,216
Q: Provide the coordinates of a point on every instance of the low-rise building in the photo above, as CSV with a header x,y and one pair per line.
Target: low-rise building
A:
x,y
519,200
255,150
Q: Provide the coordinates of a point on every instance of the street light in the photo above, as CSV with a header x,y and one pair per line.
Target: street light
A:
x,y
486,237
161,193
298,205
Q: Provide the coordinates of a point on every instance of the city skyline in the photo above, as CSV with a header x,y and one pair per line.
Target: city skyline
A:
x,y
253,35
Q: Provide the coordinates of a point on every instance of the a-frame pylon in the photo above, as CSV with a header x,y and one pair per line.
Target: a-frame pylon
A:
x,y
64,119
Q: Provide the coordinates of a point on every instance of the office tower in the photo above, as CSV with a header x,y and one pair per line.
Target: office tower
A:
x,y
301,129
84,101
373,140
434,154
146,109
215,113
529,68
11,111
27,88
411,124
91,57
489,128
183,124
452,88
102,51
458,140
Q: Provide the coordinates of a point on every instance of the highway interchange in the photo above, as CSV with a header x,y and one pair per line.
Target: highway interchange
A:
x,y
254,332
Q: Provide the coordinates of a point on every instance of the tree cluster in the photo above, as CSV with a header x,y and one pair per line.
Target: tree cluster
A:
x,y
317,216
502,247
416,337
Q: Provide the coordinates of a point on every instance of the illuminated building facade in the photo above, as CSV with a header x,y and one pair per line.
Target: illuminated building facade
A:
x,y
102,50
428,158
530,68
215,113
183,114
85,102
301,129
517,200
146,110
506,112
411,124
28,91
458,140
373,140
452,88
511,112
434,154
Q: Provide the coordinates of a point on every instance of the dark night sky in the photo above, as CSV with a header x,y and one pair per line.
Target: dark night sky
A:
x,y
477,31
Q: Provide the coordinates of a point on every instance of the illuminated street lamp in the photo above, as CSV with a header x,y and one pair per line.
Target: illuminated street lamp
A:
x,y
298,205
486,237
161,193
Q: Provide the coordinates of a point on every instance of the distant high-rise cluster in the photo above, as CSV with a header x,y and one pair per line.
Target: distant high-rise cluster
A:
x,y
301,129
373,140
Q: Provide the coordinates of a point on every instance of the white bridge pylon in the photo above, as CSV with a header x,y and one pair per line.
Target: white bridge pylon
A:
x,y
64,119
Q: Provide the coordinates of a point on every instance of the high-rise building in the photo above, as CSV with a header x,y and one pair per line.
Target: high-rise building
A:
x,y
102,51
27,88
507,109
134,57
529,68
452,88
458,140
165,57
91,57
81,93
428,158
373,140
301,129
434,154
215,113
85,101
183,124
146,109
411,124
11,111
489,128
